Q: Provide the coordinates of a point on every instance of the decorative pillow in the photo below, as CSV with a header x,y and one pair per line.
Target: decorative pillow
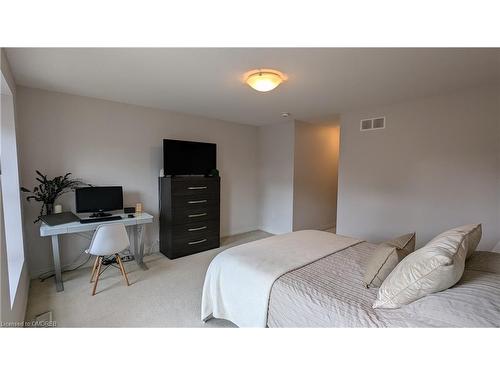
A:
x,y
385,257
435,267
473,236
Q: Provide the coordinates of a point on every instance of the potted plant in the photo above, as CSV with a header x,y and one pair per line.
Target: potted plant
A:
x,y
49,190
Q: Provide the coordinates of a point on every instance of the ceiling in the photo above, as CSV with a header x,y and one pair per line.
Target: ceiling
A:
x,y
208,81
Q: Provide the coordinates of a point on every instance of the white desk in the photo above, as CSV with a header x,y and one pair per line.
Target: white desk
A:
x,y
138,222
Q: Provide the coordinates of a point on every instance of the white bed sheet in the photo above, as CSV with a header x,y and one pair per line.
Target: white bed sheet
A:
x,y
239,280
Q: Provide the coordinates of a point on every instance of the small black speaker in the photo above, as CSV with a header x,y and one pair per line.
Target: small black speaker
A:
x,y
129,210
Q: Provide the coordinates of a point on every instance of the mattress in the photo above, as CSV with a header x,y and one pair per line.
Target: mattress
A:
x,y
330,293
239,280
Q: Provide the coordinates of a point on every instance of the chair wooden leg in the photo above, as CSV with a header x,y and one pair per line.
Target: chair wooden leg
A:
x,y
118,259
122,269
97,275
93,269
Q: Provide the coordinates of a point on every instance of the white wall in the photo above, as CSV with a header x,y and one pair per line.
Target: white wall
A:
x,y
298,176
276,149
315,175
104,142
13,295
435,166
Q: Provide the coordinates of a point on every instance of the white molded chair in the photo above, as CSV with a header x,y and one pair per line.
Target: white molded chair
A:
x,y
108,240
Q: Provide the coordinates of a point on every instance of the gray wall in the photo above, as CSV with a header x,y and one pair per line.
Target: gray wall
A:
x,y
15,311
435,166
298,165
315,175
276,148
104,143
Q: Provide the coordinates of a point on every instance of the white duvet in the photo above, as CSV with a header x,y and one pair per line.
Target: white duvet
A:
x,y
239,280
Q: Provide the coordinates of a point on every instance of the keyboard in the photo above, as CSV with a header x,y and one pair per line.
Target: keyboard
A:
x,y
99,219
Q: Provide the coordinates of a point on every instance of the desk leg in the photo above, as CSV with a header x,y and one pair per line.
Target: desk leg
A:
x,y
139,245
57,263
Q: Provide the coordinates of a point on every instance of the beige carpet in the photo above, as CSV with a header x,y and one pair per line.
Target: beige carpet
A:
x,y
166,295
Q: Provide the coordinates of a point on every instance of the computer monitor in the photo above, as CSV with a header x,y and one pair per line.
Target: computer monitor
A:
x,y
99,199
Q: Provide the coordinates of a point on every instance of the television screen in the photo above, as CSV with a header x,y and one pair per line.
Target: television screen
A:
x,y
188,158
99,198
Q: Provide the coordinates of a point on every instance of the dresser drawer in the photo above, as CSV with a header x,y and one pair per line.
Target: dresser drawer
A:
x,y
193,239
186,215
198,201
196,229
195,186
192,246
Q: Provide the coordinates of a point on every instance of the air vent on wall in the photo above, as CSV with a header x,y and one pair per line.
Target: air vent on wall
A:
x,y
372,123
366,124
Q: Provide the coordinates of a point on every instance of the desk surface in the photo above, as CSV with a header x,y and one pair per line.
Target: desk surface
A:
x,y
76,226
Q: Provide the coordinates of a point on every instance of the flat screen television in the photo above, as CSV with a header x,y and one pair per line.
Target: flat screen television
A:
x,y
99,199
188,158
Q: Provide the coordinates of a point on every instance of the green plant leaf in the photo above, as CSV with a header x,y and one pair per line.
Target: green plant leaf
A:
x,y
48,190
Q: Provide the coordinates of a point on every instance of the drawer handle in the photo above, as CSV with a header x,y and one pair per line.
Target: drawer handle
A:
x,y
201,201
198,215
197,242
195,229
196,187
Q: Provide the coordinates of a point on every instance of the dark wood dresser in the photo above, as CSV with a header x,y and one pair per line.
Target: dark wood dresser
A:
x,y
189,215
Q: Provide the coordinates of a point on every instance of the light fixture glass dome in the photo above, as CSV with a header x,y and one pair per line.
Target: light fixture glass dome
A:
x,y
264,79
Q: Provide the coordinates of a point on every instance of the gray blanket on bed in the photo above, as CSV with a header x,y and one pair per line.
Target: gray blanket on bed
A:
x,y
330,293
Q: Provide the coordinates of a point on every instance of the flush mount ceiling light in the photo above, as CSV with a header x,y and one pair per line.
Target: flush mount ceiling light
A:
x,y
264,79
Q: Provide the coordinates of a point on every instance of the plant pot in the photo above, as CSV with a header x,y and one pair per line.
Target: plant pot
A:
x,y
49,208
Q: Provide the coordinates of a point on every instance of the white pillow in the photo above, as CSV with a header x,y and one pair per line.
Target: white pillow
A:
x,y
475,231
435,267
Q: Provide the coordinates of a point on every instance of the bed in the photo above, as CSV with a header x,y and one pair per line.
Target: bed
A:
x,y
249,286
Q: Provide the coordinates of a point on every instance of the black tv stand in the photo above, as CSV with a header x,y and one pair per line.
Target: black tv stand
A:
x,y
100,214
